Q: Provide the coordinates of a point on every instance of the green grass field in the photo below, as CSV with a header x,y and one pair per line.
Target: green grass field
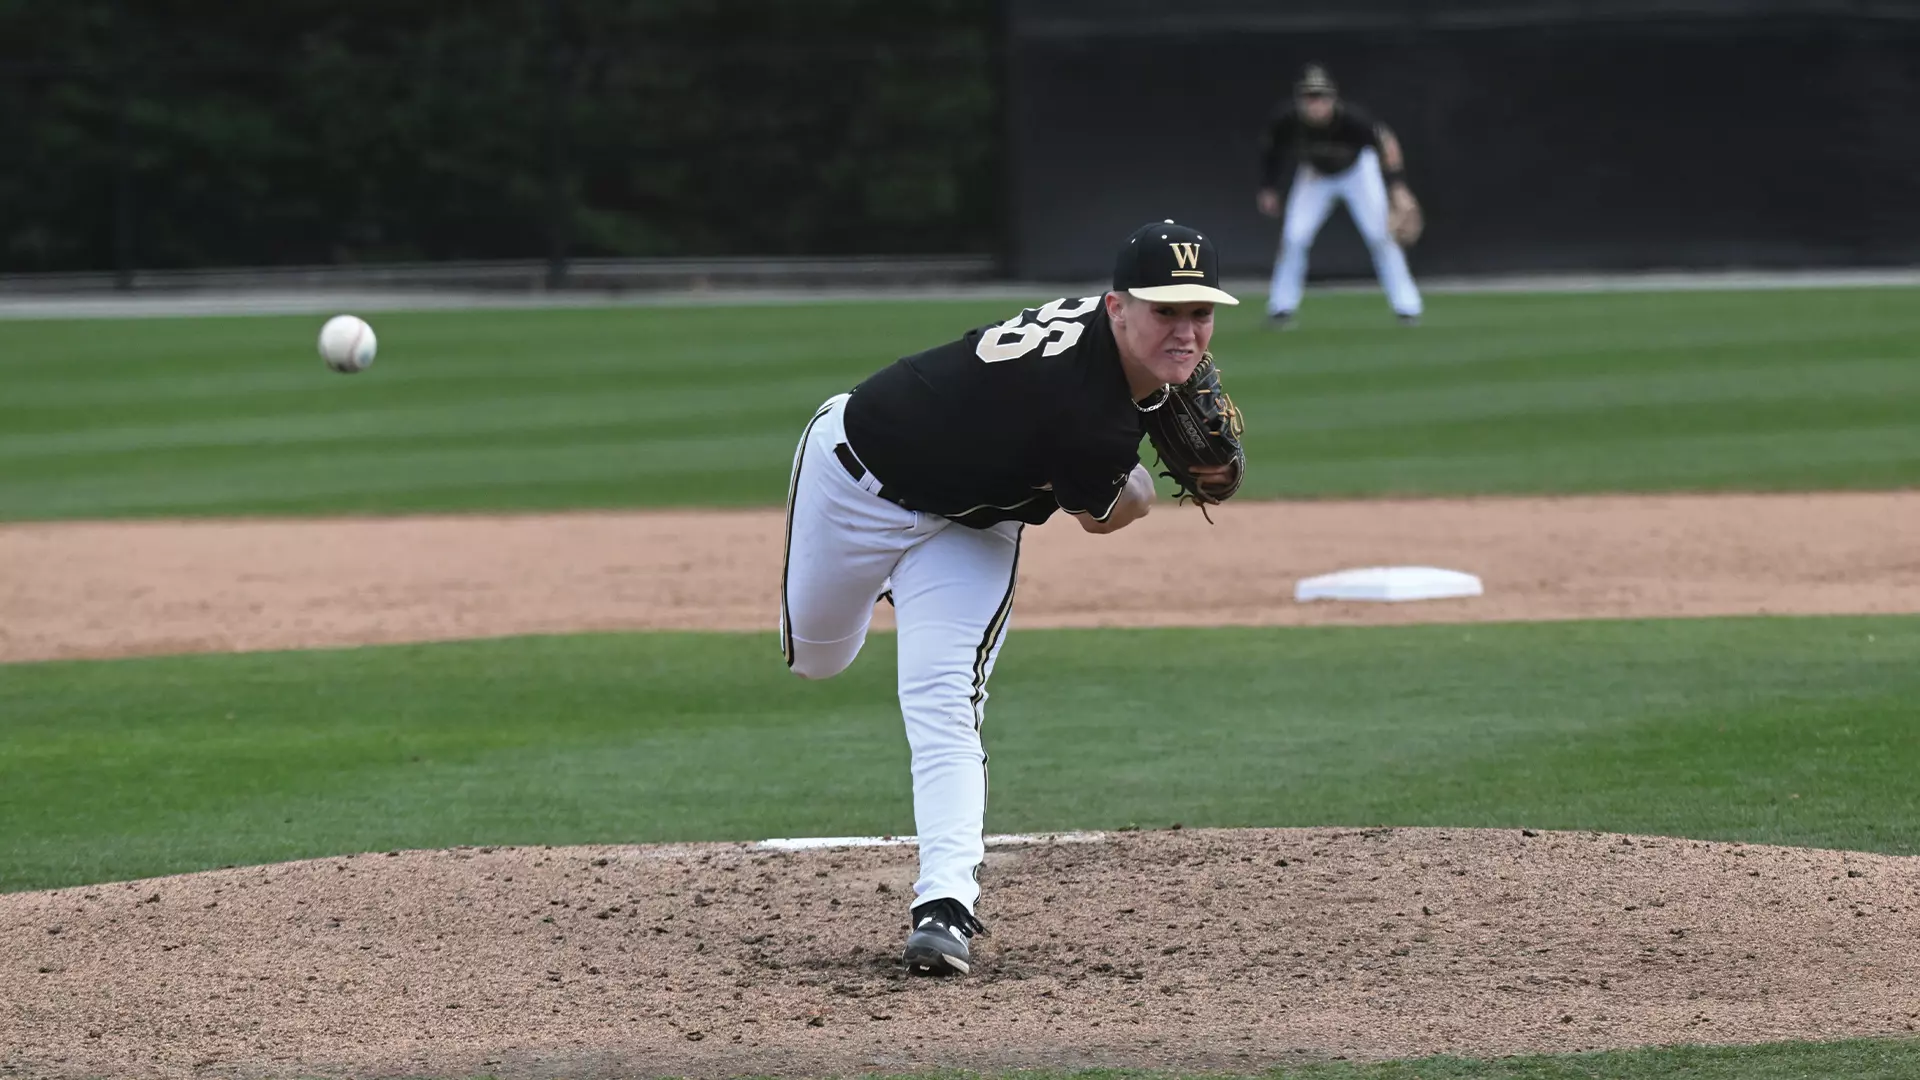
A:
x,y
1780,730
1796,731
1858,1059
646,406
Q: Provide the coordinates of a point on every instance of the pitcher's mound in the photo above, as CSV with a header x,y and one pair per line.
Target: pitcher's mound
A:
x,y
1183,949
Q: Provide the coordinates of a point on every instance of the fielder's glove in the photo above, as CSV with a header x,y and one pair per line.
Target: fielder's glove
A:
x,y
1404,219
1198,424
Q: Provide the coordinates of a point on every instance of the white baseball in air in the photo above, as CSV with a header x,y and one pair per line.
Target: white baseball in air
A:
x,y
346,344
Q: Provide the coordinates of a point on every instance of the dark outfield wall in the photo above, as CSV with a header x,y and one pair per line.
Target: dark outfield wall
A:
x,y
1540,137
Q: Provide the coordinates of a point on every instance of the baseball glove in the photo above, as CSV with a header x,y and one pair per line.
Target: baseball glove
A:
x,y
1404,220
1196,423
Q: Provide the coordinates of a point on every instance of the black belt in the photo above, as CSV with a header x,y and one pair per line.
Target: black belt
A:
x,y
980,517
859,472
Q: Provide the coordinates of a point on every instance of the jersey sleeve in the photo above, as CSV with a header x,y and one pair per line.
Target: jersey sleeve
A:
x,y
1277,144
1088,473
1093,493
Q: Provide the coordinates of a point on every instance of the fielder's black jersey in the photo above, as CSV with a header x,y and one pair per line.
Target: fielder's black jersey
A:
x,y
1009,423
1330,149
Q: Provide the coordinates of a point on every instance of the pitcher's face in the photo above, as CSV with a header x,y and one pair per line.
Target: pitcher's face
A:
x,y
1166,340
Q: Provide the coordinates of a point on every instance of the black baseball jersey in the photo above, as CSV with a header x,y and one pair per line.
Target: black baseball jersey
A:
x,y
1009,423
1330,149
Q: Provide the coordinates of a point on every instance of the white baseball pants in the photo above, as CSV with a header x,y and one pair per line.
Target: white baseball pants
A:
x,y
1364,190
952,592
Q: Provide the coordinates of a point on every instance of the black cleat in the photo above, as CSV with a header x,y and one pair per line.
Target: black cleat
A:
x,y
938,943
1408,320
1280,320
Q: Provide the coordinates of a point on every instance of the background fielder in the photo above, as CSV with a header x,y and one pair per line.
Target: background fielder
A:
x,y
918,484
1340,151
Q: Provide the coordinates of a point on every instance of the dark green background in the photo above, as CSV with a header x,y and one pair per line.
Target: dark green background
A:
x,y
323,131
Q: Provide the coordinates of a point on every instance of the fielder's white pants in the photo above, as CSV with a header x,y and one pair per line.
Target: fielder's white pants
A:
x,y
1364,191
952,596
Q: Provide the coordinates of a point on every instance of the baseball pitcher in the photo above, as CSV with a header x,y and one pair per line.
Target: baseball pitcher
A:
x,y
916,486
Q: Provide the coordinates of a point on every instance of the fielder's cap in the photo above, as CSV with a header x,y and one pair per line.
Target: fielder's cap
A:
x,y
1315,81
1169,264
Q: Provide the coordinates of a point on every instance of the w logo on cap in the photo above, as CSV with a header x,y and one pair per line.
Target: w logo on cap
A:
x,y
1143,271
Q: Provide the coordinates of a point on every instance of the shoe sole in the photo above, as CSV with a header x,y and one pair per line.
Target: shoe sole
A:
x,y
928,960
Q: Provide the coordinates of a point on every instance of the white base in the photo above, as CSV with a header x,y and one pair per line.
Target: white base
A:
x,y
1390,584
806,843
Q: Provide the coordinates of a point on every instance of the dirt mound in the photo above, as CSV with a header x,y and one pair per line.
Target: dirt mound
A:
x,y
77,589
1180,949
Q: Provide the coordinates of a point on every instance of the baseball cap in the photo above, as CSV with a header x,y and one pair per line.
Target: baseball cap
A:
x,y
1315,81
1168,263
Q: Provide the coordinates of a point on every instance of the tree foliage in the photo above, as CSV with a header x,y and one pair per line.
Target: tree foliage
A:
x,y
322,131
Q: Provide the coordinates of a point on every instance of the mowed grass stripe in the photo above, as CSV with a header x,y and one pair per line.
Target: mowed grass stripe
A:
x,y
1852,1059
1593,334
497,410
374,480
1790,731
1396,463
1784,387
448,420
